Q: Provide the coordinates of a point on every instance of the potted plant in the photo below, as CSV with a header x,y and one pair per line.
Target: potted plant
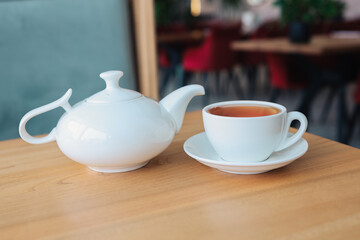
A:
x,y
300,15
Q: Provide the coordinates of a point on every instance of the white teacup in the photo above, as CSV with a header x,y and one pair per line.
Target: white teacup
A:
x,y
251,139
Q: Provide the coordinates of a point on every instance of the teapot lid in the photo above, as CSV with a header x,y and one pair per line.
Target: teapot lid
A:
x,y
113,92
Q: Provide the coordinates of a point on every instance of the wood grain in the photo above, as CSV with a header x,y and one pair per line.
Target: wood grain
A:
x,y
319,45
45,195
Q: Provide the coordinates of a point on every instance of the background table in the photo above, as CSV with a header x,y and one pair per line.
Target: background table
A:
x,y
43,194
319,45
191,36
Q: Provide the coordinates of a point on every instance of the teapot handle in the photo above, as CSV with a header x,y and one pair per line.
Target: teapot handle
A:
x,y
61,102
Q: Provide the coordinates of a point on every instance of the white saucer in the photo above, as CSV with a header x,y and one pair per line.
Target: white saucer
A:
x,y
199,148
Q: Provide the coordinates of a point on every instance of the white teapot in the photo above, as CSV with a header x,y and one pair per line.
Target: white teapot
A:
x,y
117,129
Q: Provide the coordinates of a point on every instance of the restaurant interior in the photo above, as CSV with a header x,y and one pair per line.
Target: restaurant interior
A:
x,y
111,124
302,54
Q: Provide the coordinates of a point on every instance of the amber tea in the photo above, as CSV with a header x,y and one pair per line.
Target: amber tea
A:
x,y
243,111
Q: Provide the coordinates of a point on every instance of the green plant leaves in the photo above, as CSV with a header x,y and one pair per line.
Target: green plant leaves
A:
x,y
309,11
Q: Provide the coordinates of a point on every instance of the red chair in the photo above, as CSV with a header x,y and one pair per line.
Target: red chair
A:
x,y
251,61
214,54
284,75
163,58
283,71
169,55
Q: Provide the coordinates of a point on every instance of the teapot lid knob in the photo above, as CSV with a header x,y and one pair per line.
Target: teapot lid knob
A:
x,y
112,78
113,92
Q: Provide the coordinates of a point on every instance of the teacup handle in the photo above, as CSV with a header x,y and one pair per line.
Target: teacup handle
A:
x,y
287,142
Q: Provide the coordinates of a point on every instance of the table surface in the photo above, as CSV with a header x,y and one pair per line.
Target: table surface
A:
x,y
319,45
192,36
43,194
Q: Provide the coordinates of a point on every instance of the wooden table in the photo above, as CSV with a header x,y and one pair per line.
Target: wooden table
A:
x,y
45,195
319,45
180,37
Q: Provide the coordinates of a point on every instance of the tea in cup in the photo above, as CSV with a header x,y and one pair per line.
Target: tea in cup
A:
x,y
250,131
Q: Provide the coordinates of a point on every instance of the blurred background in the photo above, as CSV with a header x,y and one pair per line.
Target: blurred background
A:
x,y
47,47
303,54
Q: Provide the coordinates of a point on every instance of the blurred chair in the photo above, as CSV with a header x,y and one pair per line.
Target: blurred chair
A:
x,y
169,58
251,61
169,54
284,75
347,63
355,115
283,71
213,55
163,57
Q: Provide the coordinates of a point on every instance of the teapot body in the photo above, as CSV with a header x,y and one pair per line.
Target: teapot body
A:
x,y
115,137
116,129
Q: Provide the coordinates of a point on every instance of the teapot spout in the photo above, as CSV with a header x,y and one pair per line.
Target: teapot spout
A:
x,y
176,102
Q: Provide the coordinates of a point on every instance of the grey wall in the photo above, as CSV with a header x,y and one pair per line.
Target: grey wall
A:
x,y
48,46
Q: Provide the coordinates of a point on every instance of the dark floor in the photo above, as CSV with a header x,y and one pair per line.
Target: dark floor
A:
x,y
326,129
